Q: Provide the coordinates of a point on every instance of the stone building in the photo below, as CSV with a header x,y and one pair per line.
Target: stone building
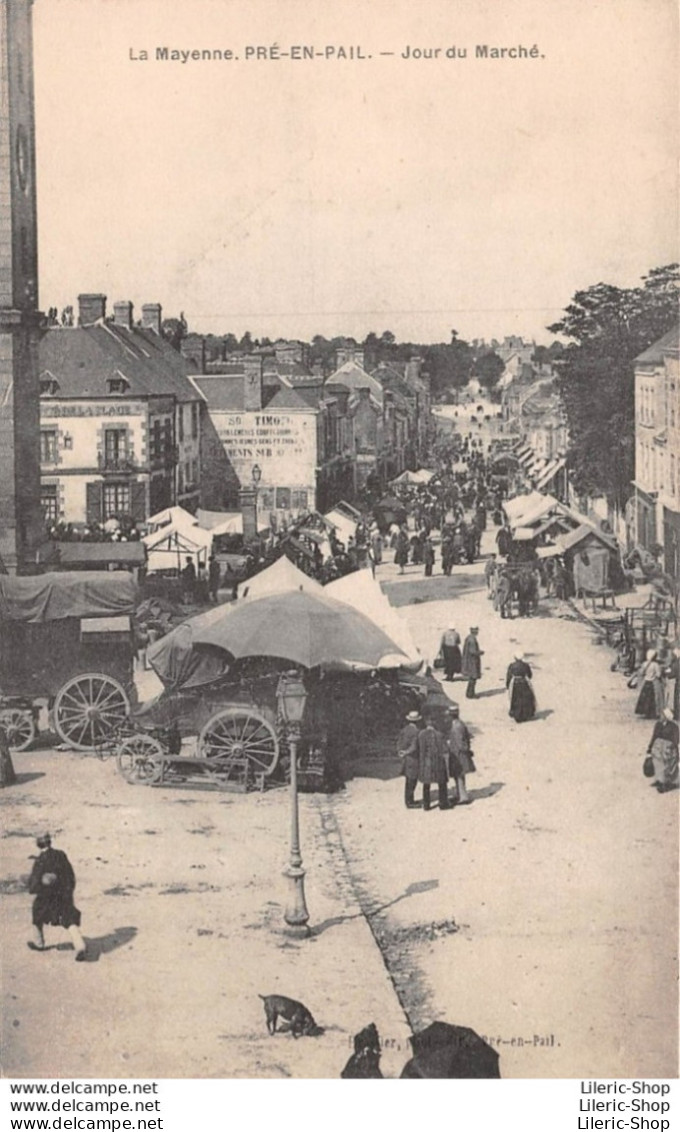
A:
x,y
120,420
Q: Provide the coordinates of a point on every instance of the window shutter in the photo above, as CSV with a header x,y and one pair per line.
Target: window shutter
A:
x,y
93,502
138,503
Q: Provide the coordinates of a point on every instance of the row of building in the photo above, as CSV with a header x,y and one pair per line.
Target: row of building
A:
x,y
129,425
532,408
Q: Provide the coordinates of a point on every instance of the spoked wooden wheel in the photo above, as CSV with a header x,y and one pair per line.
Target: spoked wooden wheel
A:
x,y
19,727
88,708
240,733
140,759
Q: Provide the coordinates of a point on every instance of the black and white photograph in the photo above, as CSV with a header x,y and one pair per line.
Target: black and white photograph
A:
x,y
339,546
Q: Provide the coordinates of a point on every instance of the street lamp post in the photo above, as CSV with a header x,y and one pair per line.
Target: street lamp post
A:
x,y
292,696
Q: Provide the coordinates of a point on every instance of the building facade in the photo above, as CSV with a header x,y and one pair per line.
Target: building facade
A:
x,y
120,420
657,450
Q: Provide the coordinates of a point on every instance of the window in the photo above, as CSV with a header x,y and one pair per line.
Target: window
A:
x,y
68,440
180,423
48,387
49,502
299,500
115,445
118,384
283,499
116,497
265,499
180,480
167,441
48,446
194,421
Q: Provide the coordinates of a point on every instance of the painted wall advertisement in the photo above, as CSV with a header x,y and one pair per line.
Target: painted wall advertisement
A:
x,y
282,444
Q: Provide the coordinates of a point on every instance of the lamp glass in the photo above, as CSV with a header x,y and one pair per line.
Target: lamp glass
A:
x,y
292,696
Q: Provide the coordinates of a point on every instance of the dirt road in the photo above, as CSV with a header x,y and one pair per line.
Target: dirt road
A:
x,y
544,914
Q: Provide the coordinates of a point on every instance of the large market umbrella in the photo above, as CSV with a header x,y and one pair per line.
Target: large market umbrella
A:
x,y
443,1050
305,628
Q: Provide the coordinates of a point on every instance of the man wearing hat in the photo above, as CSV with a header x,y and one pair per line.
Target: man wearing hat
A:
x,y
460,754
407,750
472,662
52,882
432,767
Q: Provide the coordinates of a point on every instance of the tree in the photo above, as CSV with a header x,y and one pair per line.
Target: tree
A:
x,y
488,369
449,366
609,327
174,330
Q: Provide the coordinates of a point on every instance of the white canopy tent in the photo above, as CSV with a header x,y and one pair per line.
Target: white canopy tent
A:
x,y
361,590
422,476
169,546
281,577
226,522
171,515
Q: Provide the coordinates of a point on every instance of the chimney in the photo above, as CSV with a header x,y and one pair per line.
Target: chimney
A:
x,y
122,314
91,309
151,317
252,383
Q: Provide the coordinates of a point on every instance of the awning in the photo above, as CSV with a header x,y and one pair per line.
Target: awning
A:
x,y
550,472
99,555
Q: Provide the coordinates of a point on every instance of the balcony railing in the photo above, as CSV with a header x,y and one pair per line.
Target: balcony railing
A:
x,y
111,462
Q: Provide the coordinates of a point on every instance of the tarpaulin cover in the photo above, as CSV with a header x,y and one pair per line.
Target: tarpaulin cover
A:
x,y
52,597
309,629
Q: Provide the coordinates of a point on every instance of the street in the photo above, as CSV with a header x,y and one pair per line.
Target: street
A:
x,y
543,915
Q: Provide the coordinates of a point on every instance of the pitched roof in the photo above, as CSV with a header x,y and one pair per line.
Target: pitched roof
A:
x,y
352,376
289,399
222,391
83,359
655,354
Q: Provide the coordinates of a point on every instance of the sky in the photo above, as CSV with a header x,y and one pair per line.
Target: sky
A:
x,y
291,197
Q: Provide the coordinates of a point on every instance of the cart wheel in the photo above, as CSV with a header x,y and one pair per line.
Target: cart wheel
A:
x,y
240,733
88,708
19,726
140,759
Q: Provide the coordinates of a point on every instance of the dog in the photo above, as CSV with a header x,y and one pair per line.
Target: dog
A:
x,y
365,1061
298,1018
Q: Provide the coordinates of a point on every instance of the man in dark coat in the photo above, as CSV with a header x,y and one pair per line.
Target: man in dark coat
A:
x,y
432,764
407,750
428,557
472,662
52,882
460,754
214,573
518,683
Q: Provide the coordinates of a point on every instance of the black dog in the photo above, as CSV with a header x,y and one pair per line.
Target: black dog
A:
x,y
297,1016
365,1061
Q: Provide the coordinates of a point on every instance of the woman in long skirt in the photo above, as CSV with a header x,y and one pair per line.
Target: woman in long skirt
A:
x,y
651,700
663,747
520,690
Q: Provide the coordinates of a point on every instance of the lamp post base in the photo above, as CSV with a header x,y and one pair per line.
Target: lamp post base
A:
x,y
296,914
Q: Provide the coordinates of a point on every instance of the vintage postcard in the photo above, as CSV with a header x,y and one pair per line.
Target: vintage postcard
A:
x,y
339,545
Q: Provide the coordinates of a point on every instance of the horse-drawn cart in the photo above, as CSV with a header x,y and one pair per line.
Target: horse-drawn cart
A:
x,y
67,644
